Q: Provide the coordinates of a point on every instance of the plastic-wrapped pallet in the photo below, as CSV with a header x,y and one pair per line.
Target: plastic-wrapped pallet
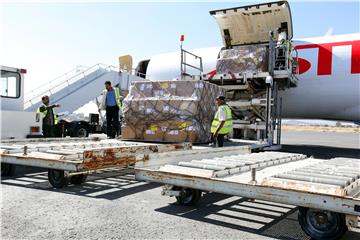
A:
x,y
170,111
249,58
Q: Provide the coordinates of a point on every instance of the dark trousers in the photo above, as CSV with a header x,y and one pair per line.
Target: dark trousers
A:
x,y
48,131
219,140
112,121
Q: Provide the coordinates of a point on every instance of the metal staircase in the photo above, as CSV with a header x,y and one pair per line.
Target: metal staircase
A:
x,y
79,86
33,95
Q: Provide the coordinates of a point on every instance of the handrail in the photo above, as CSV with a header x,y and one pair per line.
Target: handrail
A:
x,y
68,81
61,76
183,63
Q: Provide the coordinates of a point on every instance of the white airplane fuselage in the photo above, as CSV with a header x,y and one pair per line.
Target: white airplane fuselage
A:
x,y
329,79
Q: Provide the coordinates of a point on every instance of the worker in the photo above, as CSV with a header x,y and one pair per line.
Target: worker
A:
x,y
111,102
49,117
282,39
222,123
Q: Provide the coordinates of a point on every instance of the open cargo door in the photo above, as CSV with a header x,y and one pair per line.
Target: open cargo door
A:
x,y
125,63
252,24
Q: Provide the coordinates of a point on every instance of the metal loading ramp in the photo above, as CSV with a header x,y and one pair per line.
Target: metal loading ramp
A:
x,y
328,186
69,157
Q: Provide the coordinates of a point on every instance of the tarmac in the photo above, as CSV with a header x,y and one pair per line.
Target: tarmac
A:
x,y
113,205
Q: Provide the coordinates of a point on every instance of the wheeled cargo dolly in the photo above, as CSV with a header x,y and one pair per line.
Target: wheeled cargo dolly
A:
x,y
72,159
327,192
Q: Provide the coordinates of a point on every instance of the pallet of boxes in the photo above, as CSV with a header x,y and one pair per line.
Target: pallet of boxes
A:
x,y
170,111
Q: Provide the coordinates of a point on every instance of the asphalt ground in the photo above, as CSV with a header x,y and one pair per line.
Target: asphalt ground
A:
x,y
113,205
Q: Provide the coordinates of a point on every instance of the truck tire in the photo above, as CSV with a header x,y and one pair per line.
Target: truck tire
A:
x,y
7,169
321,224
78,179
57,178
80,131
188,196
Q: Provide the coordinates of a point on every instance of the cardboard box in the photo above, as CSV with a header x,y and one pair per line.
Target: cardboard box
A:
x,y
239,59
173,111
128,132
181,136
153,135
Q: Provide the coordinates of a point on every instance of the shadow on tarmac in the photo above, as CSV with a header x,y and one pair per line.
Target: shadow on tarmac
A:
x,y
254,216
108,184
274,220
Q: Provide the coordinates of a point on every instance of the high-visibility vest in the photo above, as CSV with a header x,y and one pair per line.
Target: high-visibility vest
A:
x,y
282,39
44,113
117,97
228,125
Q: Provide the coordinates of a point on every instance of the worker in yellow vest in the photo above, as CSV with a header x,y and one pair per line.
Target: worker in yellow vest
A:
x,y
49,117
111,102
222,123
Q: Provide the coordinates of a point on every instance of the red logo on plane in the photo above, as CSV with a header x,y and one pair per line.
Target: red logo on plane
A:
x,y
325,56
304,65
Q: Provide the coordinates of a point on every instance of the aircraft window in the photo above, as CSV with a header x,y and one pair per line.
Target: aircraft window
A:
x,y
10,84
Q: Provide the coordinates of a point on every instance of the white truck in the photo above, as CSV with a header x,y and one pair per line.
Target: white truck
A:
x,y
18,113
15,122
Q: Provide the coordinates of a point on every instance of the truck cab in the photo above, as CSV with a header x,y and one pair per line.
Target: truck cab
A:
x,y
15,122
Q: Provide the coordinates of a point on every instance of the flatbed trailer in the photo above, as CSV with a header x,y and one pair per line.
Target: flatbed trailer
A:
x,y
327,192
72,159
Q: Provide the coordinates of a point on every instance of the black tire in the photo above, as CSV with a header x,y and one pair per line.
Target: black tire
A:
x,y
81,131
57,178
188,196
78,179
321,225
7,169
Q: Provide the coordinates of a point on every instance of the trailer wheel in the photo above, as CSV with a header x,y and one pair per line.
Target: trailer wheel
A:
x,y
57,178
7,169
78,179
81,131
320,224
188,196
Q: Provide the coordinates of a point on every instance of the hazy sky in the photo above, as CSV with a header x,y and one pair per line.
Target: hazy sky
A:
x,y
49,39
